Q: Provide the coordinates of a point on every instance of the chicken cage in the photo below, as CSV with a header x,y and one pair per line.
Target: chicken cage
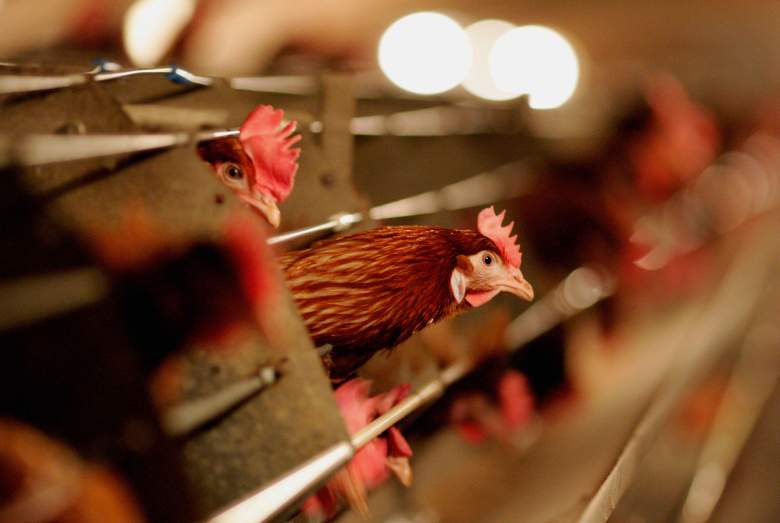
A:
x,y
317,295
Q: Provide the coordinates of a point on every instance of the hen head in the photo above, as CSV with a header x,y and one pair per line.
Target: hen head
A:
x,y
478,277
260,165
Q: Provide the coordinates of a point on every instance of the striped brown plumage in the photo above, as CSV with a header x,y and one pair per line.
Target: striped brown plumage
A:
x,y
372,290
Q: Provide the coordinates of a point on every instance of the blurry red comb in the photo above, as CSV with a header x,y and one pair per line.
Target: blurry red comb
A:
x,y
489,224
268,144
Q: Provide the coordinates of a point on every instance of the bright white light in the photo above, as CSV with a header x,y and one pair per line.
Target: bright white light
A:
x,y
152,26
425,53
479,82
537,61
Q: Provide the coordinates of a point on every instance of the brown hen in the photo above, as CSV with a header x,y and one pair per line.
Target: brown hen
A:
x,y
372,290
260,165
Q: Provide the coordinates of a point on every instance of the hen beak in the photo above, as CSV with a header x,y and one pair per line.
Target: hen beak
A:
x,y
266,207
517,285
401,468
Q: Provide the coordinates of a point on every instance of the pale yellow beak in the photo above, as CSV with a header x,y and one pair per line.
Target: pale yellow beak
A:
x,y
266,206
518,285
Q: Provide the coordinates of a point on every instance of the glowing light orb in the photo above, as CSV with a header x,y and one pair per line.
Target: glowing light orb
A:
x,y
537,61
152,26
479,82
425,53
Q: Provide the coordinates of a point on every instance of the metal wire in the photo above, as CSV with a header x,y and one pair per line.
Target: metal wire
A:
x,y
338,223
368,85
183,418
104,72
275,498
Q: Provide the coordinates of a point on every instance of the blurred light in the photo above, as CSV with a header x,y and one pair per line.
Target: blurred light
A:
x,y
761,149
734,202
756,178
425,53
582,288
479,82
537,61
706,490
152,26
656,259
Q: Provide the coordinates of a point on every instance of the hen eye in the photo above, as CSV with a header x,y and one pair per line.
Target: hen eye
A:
x,y
234,172
487,259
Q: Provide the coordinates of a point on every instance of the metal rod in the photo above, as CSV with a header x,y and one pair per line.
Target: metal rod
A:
x,y
428,392
750,387
442,120
29,299
29,83
108,71
369,86
727,313
41,149
182,419
297,85
273,499
203,136
338,223
174,73
580,290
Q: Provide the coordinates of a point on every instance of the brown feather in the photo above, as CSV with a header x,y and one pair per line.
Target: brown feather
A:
x,y
372,290
224,150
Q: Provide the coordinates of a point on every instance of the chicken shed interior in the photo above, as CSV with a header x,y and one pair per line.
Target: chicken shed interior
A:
x,y
392,261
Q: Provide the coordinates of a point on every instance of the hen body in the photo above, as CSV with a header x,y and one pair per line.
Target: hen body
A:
x,y
373,290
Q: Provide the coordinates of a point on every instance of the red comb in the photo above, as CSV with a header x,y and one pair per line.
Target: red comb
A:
x,y
489,224
269,145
